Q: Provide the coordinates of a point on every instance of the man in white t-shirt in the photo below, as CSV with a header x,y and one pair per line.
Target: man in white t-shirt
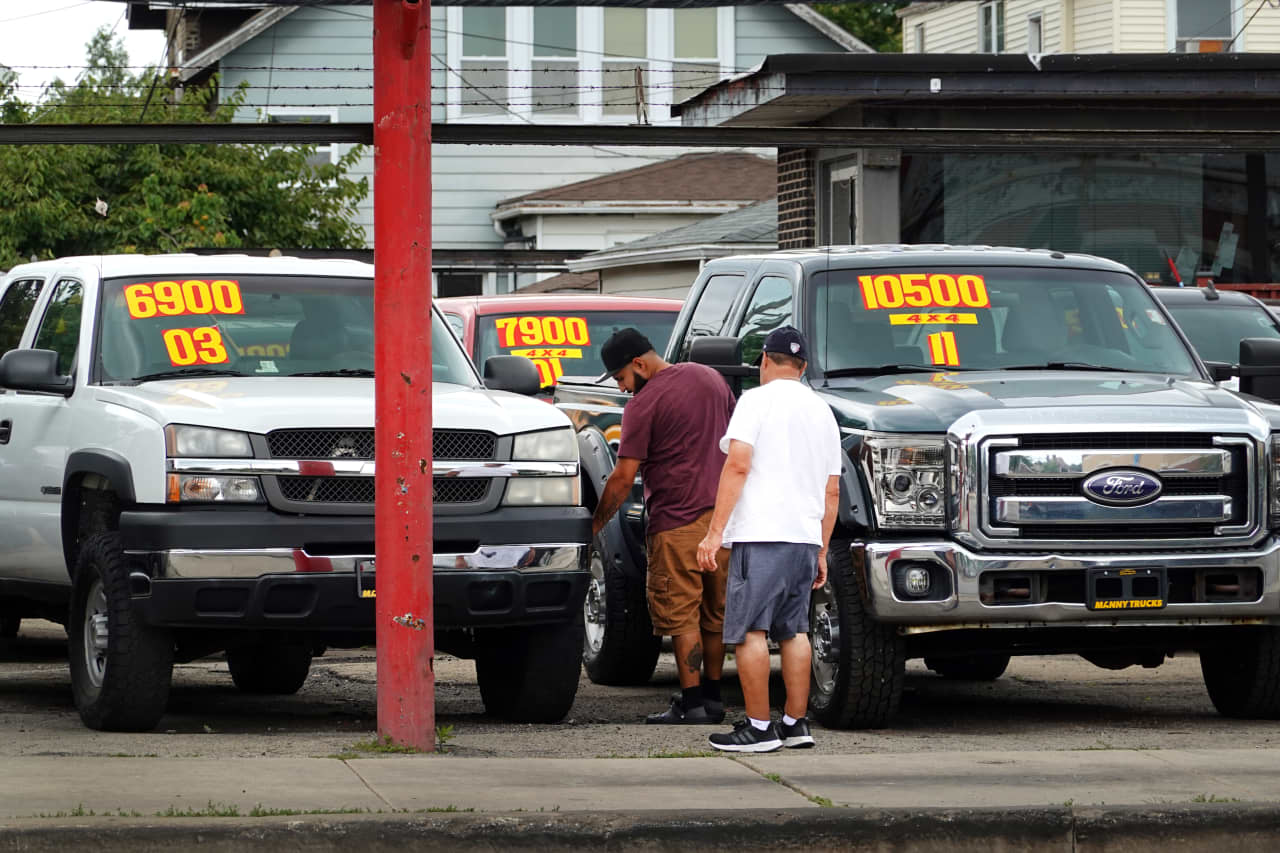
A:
x,y
775,507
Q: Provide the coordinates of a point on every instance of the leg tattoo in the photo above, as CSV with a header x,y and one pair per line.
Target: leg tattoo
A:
x,y
694,659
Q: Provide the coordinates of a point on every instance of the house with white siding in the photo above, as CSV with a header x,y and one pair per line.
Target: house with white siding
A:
x,y
1091,26
490,64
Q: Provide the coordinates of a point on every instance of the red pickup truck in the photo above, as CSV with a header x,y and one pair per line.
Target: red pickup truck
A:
x,y
561,333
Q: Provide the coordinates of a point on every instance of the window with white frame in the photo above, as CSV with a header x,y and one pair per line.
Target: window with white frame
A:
x,y
1204,26
325,153
991,24
484,65
590,64
696,63
918,47
555,60
625,64
1035,33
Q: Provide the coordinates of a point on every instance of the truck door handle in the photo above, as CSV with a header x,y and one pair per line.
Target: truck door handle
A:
x,y
6,431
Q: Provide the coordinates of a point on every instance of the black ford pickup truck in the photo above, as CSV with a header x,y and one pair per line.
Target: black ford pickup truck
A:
x,y
1037,462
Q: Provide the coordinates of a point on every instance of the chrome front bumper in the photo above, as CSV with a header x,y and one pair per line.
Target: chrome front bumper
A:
x,y
213,564
964,608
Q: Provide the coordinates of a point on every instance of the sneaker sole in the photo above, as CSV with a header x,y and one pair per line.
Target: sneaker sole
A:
x,y
801,742
767,746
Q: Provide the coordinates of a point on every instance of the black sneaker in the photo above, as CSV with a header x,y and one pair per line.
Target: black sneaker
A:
x,y
715,708
796,735
747,738
678,715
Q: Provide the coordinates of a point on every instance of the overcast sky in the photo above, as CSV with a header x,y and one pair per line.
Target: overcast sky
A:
x,y
55,32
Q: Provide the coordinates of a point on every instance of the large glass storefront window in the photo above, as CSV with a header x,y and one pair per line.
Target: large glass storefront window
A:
x,y
1166,216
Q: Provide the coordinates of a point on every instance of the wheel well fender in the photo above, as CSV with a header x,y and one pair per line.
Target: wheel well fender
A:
x,y
595,459
855,499
95,484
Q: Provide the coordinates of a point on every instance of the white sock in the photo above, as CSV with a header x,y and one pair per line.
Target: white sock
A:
x,y
788,720
758,725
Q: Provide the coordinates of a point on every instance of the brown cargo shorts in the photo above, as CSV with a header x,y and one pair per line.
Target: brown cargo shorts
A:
x,y
683,600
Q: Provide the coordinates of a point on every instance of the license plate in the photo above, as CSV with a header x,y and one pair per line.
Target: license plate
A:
x,y
366,579
1127,590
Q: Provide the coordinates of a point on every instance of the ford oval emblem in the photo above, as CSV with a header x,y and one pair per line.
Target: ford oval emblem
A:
x,y
1122,487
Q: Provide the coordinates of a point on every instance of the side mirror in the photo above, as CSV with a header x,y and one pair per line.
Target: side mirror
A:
x,y
1220,371
33,370
1259,368
513,373
723,355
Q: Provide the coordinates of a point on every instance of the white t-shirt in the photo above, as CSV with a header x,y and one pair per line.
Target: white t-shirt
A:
x,y
795,448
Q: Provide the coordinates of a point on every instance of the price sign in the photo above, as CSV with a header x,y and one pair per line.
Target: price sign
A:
x,y
542,332
182,298
923,290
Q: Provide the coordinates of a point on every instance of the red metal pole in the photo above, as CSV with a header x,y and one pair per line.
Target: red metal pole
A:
x,y
402,258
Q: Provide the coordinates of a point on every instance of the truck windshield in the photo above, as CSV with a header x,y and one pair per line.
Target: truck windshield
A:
x,y
565,343
992,318
1216,330
249,325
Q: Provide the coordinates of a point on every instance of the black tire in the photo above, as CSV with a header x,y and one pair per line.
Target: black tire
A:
x,y
9,627
970,667
618,646
121,681
270,669
530,675
858,664
1243,678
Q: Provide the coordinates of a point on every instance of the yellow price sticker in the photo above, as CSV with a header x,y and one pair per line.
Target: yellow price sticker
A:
x,y
933,319
181,298
187,347
548,352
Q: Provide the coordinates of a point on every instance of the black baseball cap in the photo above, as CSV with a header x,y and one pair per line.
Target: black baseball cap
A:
x,y
623,346
786,340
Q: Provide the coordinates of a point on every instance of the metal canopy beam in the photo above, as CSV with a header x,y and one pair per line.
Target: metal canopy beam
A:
x,y
917,139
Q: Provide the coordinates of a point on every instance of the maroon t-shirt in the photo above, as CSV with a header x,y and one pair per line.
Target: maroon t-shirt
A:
x,y
673,425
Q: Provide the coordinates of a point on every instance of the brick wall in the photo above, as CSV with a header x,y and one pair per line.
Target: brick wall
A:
x,y
796,223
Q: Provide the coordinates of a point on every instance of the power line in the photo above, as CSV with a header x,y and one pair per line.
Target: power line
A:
x,y
45,12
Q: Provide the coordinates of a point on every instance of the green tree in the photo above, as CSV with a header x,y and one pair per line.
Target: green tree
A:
x,y
876,23
87,199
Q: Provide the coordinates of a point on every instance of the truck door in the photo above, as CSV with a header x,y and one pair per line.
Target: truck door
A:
x,y
772,305
34,429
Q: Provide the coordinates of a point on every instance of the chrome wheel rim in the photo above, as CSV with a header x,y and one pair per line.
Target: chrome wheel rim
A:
x,y
96,636
824,637
593,608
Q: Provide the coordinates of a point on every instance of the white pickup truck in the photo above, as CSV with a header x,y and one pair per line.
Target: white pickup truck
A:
x,y
187,467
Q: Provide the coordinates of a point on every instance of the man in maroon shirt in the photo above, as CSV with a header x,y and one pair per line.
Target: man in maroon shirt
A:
x,y
671,432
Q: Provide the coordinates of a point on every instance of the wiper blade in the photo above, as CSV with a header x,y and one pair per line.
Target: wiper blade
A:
x,y
341,371
893,368
1068,365
187,371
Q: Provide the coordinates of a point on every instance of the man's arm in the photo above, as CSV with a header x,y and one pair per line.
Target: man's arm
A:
x,y
828,524
732,477
616,490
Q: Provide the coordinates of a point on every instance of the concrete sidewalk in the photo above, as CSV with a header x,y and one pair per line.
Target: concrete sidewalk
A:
x,y
1028,799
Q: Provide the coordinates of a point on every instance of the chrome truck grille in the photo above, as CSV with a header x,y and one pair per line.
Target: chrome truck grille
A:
x,y
333,492
1122,489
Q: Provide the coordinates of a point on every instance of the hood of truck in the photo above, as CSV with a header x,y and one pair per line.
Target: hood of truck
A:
x,y
932,402
261,404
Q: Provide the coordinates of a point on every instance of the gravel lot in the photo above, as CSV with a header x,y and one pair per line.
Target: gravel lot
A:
x,y
1041,703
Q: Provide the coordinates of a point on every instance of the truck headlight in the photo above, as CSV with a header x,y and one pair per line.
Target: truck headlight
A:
x,y
1273,470
182,441
548,445
206,488
908,480
538,491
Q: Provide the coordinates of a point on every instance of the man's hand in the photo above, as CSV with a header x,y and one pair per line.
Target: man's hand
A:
x,y
708,549
822,569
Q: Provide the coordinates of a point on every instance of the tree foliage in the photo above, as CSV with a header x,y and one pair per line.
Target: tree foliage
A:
x,y
876,23
58,200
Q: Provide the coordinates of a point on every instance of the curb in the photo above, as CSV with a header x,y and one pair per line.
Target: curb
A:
x,y
1243,827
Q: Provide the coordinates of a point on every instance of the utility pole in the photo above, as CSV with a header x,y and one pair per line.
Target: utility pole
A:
x,y
402,332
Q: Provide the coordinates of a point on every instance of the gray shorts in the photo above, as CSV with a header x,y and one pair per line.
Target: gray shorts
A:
x,y
768,590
